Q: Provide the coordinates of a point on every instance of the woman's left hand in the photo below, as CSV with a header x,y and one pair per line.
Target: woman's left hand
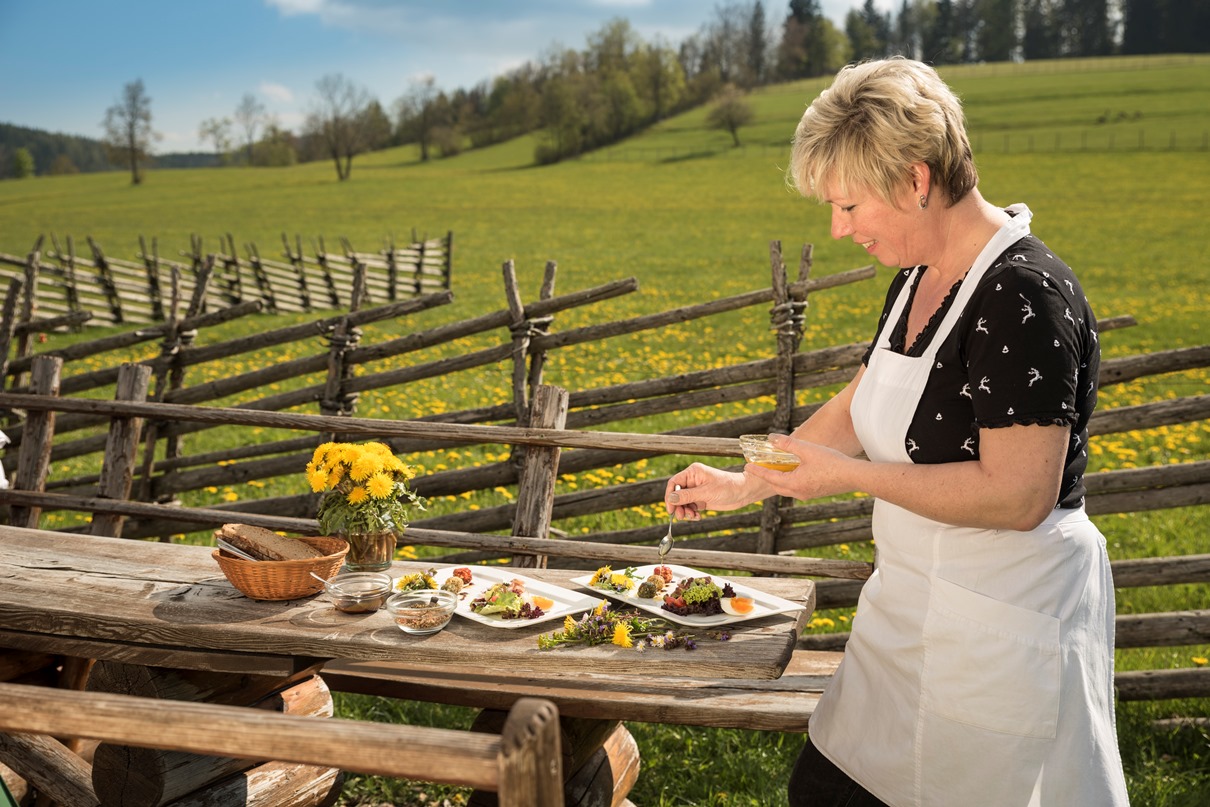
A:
x,y
819,471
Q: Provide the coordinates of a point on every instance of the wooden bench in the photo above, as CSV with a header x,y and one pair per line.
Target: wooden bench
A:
x,y
521,763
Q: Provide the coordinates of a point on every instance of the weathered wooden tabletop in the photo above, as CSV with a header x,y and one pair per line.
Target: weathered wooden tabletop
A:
x,y
169,605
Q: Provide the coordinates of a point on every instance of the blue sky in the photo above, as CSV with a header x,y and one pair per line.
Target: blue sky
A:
x,y
64,62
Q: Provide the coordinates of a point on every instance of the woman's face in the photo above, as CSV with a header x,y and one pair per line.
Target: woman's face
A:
x,y
889,232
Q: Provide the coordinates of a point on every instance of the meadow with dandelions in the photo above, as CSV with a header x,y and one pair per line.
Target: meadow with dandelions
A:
x,y
1110,155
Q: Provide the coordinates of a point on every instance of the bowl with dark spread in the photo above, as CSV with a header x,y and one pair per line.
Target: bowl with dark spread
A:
x,y
358,592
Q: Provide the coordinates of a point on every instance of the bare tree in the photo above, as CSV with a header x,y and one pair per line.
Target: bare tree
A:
x,y
339,120
128,132
731,110
416,114
250,114
217,131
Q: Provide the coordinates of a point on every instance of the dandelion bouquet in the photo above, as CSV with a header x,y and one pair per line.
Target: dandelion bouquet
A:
x,y
365,488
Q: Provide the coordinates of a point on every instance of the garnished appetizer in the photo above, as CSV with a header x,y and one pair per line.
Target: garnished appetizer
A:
x,y
697,596
651,587
459,579
510,601
606,578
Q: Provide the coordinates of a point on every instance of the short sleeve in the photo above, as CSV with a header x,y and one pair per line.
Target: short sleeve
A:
x,y
1023,347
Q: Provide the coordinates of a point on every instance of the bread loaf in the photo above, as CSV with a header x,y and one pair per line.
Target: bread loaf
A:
x,y
265,544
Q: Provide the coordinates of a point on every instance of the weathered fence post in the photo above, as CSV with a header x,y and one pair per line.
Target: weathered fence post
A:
x,y
121,448
321,257
33,462
536,487
262,278
295,256
67,265
336,400
8,325
786,318
151,262
105,279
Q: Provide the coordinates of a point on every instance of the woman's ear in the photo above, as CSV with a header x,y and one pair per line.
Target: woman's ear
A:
x,y
921,179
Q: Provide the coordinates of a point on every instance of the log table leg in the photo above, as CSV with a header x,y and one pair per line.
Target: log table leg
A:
x,y
600,760
127,776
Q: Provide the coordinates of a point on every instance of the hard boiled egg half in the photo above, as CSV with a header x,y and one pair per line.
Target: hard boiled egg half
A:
x,y
737,606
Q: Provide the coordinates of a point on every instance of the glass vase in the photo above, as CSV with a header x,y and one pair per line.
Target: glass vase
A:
x,y
370,551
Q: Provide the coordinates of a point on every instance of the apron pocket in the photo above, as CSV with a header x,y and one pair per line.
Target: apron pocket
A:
x,y
989,663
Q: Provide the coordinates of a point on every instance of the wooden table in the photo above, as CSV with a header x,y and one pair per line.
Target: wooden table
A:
x,y
168,606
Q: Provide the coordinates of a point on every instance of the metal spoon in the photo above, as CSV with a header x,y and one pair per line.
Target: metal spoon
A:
x,y
666,542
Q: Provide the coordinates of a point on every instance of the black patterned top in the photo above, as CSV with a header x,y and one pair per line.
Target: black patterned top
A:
x,y
1024,351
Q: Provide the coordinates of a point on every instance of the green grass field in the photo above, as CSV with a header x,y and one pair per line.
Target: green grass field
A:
x,y
692,218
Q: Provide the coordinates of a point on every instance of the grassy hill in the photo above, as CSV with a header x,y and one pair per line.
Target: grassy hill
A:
x,y
1112,156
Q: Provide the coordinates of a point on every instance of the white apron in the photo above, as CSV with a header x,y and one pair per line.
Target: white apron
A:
x,y
980,667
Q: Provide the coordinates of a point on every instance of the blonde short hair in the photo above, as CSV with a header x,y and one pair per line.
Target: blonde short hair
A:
x,y
876,120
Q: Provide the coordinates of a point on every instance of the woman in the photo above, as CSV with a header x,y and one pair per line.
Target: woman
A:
x,y
980,666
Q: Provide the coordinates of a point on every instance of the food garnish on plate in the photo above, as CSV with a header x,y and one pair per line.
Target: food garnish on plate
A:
x,y
459,579
510,601
698,596
417,581
606,578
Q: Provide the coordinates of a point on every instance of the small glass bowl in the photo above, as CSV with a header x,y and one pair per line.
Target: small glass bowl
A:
x,y
757,449
422,612
359,592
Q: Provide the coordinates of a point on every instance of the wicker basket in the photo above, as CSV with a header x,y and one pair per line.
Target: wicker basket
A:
x,y
283,579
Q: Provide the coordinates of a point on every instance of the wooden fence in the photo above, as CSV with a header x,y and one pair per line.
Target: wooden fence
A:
x,y
526,339
64,287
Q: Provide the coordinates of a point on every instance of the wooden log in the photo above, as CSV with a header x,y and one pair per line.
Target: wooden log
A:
x,y
592,333
72,320
147,777
272,784
33,465
1149,685
540,469
1167,629
106,344
1128,368
1158,476
8,324
1149,415
121,449
539,769
608,776
1161,571
45,763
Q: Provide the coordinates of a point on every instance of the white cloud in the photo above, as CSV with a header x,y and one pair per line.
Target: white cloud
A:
x,y
294,7
278,92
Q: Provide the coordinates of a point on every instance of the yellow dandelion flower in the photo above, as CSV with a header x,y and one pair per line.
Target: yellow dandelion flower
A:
x,y
380,485
318,480
569,624
600,609
621,636
358,495
1200,660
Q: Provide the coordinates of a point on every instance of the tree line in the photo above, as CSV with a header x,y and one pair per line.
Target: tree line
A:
x,y
576,100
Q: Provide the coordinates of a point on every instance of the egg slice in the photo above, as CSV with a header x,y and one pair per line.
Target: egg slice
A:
x,y
737,606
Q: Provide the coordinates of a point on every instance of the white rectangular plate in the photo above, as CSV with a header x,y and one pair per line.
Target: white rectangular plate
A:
x,y
763,604
484,577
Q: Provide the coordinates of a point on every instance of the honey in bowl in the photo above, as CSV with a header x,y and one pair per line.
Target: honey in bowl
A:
x,y
759,451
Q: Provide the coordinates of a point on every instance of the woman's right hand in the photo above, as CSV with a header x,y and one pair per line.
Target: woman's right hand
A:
x,y
705,488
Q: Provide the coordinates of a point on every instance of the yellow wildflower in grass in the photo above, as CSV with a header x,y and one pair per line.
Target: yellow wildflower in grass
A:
x,y
621,635
1201,660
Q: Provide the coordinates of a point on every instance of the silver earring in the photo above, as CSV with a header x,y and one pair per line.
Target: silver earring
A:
x,y
924,202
